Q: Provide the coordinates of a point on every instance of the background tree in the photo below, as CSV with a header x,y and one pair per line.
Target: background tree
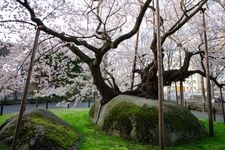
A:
x,y
61,74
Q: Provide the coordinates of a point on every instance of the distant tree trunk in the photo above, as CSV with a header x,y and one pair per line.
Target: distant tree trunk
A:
x,y
168,93
203,92
181,94
203,89
212,89
211,82
176,92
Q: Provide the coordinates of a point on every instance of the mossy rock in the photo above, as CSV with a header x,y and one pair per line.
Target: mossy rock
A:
x,y
136,118
40,129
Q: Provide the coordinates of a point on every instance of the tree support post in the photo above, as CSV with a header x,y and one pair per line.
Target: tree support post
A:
x,y
208,87
176,93
222,104
214,113
24,99
36,102
181,83
160,80
89,103
46,104
2,105
134,62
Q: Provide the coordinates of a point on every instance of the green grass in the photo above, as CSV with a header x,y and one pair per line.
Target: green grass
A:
x,y
94,139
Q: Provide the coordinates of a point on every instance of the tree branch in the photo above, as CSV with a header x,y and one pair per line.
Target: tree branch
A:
x,y
20,21
191,72
183,20
78,52
113,80
62,36
135,28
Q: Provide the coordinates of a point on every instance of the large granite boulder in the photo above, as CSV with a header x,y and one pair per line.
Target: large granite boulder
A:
x,y
136,118
40,130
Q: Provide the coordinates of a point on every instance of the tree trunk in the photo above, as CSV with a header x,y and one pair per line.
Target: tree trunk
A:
x,y
181,94
149,85
176,93
212,89
168,93
203,90
106,92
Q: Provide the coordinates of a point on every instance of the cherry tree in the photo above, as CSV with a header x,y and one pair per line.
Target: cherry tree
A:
x,y
102,33
97,30
60,73
9,79
49,72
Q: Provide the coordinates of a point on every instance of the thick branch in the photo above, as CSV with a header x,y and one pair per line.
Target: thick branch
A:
x,y
191,72
187,59
135,28
184,19
180,75
113,80
62,36
79,53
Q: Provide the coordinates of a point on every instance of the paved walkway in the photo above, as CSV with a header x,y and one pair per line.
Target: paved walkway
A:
x,y
15,108
204,115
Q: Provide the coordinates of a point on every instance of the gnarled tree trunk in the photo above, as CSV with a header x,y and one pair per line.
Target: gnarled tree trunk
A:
x,y
106,92
149,85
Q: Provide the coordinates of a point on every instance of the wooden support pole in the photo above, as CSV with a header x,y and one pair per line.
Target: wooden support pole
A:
x,y
181,83
208,87
134,62
135,59
160,79
24,99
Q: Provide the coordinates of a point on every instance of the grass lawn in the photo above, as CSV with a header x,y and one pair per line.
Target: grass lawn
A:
x,y
94,139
